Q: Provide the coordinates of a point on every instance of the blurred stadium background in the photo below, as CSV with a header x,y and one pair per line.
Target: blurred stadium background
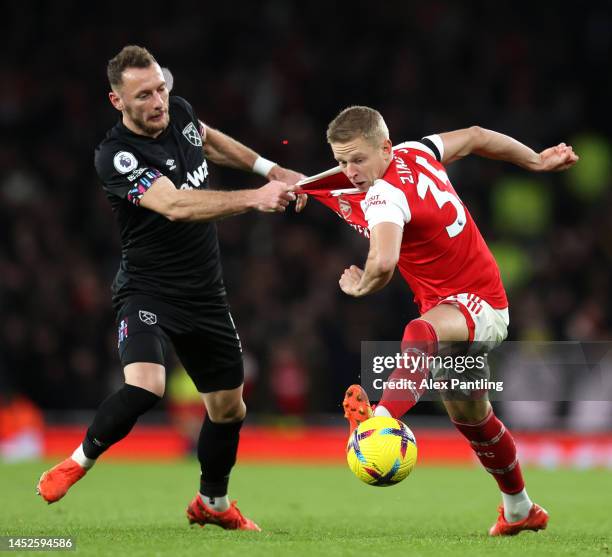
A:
x,y
272,74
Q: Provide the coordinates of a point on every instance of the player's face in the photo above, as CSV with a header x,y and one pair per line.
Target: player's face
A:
x,y
143,99
362,161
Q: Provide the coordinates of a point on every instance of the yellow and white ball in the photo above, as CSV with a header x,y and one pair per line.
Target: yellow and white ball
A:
x,y
381,451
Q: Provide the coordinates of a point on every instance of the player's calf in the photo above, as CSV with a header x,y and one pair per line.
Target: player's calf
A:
x,y
420,340
115,418
494,446
113,421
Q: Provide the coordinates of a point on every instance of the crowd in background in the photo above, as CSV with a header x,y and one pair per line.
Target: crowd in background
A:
x,y
273,75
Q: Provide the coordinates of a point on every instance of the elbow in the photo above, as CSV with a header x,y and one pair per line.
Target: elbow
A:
x,y
477,137
476,134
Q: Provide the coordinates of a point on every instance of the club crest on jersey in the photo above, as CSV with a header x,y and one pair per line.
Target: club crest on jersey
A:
x,y
192,135
345,208
124,162
147,317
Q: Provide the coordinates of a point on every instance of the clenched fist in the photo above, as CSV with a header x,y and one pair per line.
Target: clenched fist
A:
x,y
554,159
291,177
273,197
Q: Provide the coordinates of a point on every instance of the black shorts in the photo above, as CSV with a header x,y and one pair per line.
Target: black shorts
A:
x,y
204,338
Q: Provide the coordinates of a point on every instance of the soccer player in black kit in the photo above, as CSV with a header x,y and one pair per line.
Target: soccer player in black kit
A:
x,y
169,287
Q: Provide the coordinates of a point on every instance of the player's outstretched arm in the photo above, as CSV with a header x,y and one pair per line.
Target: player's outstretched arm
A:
x,y
226,151
385,244
494,145
208,205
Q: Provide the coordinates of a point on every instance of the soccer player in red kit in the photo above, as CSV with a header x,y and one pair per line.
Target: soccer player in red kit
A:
x,y
416,222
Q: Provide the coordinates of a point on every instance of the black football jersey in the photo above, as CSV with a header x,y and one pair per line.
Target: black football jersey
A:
x,y
174,261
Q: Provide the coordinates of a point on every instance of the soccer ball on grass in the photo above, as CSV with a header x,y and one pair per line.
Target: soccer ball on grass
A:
x,y
381,451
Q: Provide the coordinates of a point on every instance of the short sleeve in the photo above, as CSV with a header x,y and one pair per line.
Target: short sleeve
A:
x,y
183,104
122,174
430,144
385,203
202,130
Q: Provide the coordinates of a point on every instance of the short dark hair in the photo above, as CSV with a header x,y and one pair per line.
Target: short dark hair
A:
x,y
131,56
356,121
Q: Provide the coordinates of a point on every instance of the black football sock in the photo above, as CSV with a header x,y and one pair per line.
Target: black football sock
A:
x,y
217,448
116,417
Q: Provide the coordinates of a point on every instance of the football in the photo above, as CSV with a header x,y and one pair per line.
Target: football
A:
x,y
381,451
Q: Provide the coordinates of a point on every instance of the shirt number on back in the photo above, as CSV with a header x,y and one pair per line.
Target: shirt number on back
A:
x,y
425,183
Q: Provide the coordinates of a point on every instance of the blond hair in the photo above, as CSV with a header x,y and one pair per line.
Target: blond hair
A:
x,y
357,121
131,56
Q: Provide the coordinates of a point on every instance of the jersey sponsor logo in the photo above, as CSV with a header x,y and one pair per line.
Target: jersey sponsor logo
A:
x,y
374,201
170,164
345,208
125,162
192,135
195,178
147,317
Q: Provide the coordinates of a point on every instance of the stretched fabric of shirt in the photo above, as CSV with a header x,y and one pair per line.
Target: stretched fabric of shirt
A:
x,y
442,252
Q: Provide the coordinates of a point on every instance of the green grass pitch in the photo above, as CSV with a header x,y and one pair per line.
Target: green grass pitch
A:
x,y
139,509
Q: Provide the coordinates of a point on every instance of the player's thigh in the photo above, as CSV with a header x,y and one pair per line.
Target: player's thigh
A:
x,y
467,411
449,323
212,357
142,351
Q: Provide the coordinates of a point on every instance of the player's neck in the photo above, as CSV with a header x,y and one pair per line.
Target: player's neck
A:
x,y
135,128
385,168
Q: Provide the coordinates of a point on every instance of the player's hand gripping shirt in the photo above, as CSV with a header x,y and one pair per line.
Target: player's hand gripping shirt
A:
x,y
174,261
442,251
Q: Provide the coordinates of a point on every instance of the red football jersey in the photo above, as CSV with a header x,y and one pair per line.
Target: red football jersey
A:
x,y
442,252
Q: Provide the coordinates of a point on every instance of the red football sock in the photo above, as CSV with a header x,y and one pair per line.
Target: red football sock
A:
x,y
494,446
419,339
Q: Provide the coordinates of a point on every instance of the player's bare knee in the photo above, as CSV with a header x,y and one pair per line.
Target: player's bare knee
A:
x,y
228,413
148,376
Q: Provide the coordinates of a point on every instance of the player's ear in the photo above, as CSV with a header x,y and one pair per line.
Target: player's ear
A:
x,y
115,100
387,147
